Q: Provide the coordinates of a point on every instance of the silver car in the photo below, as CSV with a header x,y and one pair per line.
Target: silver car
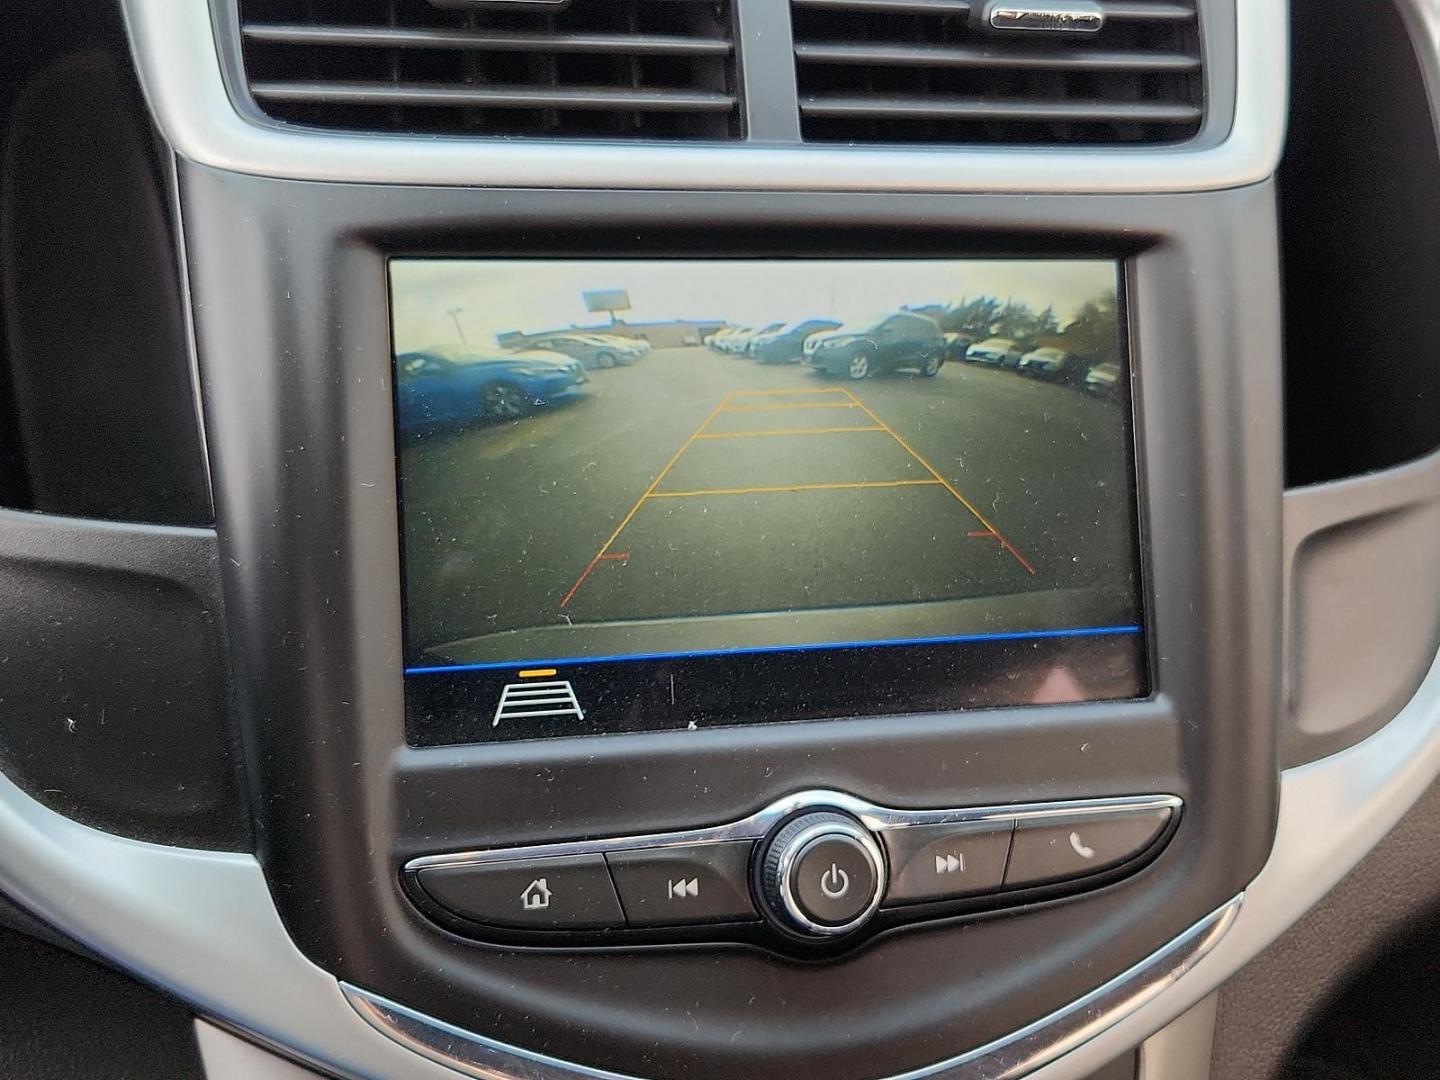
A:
x,y
592,352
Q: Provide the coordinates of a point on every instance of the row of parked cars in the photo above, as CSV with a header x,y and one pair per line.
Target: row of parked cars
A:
x,y
903,339
1046,362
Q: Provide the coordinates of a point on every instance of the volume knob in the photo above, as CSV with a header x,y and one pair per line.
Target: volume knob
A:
x,y
821,875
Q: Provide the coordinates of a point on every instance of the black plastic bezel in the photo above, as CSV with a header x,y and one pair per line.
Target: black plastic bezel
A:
x,y
293,338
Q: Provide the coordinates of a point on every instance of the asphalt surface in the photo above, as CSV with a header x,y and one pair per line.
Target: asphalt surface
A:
x,y
697,484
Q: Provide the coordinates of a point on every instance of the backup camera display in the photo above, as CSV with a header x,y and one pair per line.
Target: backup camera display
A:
x,y
676,494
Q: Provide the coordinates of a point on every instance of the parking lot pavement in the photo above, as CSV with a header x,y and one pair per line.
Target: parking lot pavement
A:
x,y
696,484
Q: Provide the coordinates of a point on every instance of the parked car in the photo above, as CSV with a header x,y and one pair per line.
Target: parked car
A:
x,y
740,343
725,341
1048,363
1103,380
901,339
999,351
636,346
439,387
786,345
718,339
592,352
956,345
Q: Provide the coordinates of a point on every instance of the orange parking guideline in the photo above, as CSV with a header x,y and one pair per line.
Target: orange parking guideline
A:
x,y
850,402
793,405
1004,542
769,488
787,431
599,555
796,390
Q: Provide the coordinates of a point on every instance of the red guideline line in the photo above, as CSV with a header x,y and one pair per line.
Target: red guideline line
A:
x,y
605,547
596,561
1004,542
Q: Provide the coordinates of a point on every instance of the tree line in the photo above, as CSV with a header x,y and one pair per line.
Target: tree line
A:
x,y
1094,332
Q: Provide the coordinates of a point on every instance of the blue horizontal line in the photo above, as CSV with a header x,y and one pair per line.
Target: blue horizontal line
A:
x,y
957,639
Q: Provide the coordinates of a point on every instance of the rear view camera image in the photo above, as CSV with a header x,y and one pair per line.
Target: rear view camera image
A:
x,y
673,493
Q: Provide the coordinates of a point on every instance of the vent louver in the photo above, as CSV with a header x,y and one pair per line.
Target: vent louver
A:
x,y
659,69
929,71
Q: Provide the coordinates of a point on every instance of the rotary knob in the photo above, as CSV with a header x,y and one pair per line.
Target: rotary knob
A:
x,y
821,875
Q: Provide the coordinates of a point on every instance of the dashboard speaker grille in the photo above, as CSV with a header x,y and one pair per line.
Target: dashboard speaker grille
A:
x,y
937,71
657,69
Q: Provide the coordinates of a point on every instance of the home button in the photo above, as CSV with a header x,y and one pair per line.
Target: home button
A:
x,y
572,892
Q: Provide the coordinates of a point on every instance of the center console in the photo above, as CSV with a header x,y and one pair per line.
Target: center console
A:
x,y
557,767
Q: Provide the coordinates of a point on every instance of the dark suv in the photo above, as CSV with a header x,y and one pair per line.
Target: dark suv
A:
x,y
902,339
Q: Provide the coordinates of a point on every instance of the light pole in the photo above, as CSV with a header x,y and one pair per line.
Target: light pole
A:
x,y
454,314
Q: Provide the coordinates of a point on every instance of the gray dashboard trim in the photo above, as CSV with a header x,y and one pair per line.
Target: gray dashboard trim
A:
x,y
202,925
1013,1056
182,74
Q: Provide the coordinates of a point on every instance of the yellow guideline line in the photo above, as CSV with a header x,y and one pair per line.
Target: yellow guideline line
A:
x,y
786,431
797,390
537,673
641,501
797,405
1004,542
794,487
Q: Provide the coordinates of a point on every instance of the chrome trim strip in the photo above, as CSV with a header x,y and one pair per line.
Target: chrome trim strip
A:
x,y
180,68
1013,1055
1072,17
876,818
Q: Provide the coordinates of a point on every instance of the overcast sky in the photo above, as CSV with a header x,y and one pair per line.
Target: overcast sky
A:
x,y
495,296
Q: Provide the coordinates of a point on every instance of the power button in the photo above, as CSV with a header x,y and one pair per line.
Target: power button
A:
x,y
822,874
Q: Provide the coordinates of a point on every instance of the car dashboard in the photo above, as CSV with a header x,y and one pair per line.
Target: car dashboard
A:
x,y
648,538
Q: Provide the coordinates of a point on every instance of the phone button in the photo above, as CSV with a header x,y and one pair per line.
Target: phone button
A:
x,y
1049,850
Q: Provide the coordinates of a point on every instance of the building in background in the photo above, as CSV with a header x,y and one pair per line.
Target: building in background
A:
x,y
670,334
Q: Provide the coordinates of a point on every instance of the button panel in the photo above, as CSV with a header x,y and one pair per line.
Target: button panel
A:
x,y
708,884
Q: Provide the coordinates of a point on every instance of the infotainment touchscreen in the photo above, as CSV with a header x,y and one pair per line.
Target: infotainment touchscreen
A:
x,y
680,494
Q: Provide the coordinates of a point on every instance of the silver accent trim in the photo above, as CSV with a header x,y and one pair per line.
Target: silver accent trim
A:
x,y
759,824
1076,17
1181,1050
796,847
203,926
1015,1055
181,73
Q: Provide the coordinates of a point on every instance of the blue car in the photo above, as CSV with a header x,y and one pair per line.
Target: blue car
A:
x,y
446,386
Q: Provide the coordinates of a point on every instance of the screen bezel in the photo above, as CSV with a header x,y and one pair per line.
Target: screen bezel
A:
x,y
442,708
294,351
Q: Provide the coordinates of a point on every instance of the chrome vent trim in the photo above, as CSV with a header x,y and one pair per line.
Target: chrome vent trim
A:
x,y
189,60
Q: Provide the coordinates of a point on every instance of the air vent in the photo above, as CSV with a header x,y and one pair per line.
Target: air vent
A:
x,y
658,69
934,71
